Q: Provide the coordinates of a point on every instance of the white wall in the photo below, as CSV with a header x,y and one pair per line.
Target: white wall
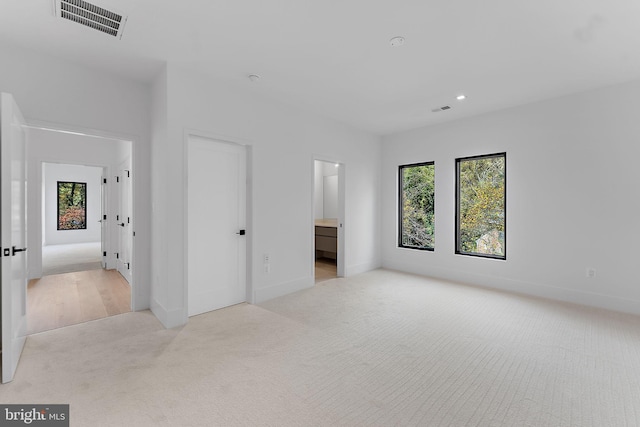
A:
x,y
52,173
160,165
318,195
283,143
322,170
63,94
330,196
572,197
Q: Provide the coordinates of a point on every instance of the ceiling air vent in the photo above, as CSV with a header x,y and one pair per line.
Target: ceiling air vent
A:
x,y
91,16
443,108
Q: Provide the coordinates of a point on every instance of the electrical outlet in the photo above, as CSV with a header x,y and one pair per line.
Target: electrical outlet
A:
x,y
266,259
591,273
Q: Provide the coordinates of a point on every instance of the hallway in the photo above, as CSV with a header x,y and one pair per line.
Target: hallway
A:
x,y
67,299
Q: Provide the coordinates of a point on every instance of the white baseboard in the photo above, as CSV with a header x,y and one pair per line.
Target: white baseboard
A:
x,y
541,290
352,270
274,291
168,318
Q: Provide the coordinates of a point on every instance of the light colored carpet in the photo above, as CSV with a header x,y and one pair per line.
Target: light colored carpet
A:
x,y
58,259
378,349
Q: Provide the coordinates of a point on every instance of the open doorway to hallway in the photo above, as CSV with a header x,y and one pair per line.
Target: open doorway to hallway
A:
x,y
79,243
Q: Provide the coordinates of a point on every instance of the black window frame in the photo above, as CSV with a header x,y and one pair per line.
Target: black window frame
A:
x,y
401,200
458,242
58,205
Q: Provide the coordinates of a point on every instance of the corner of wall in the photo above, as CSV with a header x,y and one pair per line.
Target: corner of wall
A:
x,y
522,287
352,270
280,289
168,318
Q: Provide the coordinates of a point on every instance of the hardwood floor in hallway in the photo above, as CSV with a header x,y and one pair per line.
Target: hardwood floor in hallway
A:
x,y
326,269
67,299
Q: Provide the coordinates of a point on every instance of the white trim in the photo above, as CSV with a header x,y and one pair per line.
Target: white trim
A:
x,y
78,130
352,270
278,290
541,290
168,318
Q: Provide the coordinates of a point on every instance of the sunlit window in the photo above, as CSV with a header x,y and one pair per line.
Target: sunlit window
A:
x,y
72,205
417,206
481,205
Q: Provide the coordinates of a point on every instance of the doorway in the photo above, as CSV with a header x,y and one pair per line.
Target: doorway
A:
x,y
216,224
328,214
73,187
71,218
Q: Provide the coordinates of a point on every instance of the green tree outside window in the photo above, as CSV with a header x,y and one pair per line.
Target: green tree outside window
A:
x,y
481,206
72,205
417,206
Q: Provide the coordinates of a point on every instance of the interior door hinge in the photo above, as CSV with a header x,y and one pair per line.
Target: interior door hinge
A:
x,y
104,180
104,253
117,179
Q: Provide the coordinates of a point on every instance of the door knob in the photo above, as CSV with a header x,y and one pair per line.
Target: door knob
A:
x,y
241,232
15,250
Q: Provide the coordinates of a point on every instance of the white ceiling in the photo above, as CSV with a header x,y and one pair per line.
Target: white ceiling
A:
x,y
333,57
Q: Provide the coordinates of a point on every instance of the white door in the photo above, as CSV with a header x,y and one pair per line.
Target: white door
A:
x,y
124,222
13,225
216,206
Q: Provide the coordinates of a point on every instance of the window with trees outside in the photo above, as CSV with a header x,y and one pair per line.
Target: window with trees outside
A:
x,y
72,205
416,206
481,205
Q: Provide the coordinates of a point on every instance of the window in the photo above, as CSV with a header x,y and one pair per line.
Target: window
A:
x,y
72,203
416,206
481,205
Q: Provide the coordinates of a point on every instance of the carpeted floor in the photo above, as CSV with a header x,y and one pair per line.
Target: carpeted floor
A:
x,y
378,349
58,259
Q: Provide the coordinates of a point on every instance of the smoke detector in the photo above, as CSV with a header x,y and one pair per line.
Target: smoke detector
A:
x,y
396,41
92,16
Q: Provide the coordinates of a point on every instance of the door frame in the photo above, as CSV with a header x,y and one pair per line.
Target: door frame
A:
x,y
250,291
136,302
119,190
341,257
105,240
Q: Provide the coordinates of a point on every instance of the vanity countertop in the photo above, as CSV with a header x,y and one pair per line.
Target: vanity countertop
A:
x,y
327,222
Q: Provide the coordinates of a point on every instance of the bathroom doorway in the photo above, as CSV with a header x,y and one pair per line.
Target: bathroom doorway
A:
x,y
328,214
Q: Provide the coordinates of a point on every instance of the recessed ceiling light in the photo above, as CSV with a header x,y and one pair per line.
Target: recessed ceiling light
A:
x,y
461,97
254,77
396,41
